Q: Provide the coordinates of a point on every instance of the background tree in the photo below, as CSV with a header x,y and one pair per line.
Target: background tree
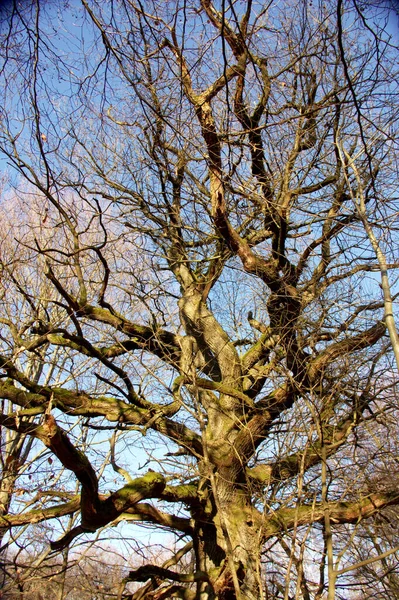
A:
x,y
206,278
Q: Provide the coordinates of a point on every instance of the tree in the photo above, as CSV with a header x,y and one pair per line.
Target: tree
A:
x,y
206,177
87,577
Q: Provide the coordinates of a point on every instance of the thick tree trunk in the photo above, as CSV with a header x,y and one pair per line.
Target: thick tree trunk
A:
x,y
228,541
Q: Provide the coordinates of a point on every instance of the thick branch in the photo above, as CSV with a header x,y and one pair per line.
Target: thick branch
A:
x,y
289,466
41,514
148,571
109,509
113,409
351,344
340,512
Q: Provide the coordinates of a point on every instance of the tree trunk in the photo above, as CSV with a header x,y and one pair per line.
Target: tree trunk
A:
x,y
227,544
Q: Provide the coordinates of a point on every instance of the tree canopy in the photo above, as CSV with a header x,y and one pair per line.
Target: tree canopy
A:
x,y
198,258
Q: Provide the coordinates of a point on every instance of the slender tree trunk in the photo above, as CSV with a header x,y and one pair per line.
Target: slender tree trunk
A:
x,y
359,200
6,489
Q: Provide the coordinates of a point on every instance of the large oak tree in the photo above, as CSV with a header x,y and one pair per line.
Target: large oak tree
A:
x,y
206,198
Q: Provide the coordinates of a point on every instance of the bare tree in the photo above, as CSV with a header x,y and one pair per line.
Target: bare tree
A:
x,y
88,576
205,178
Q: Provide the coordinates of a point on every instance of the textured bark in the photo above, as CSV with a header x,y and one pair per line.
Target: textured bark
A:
x,y
187,261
